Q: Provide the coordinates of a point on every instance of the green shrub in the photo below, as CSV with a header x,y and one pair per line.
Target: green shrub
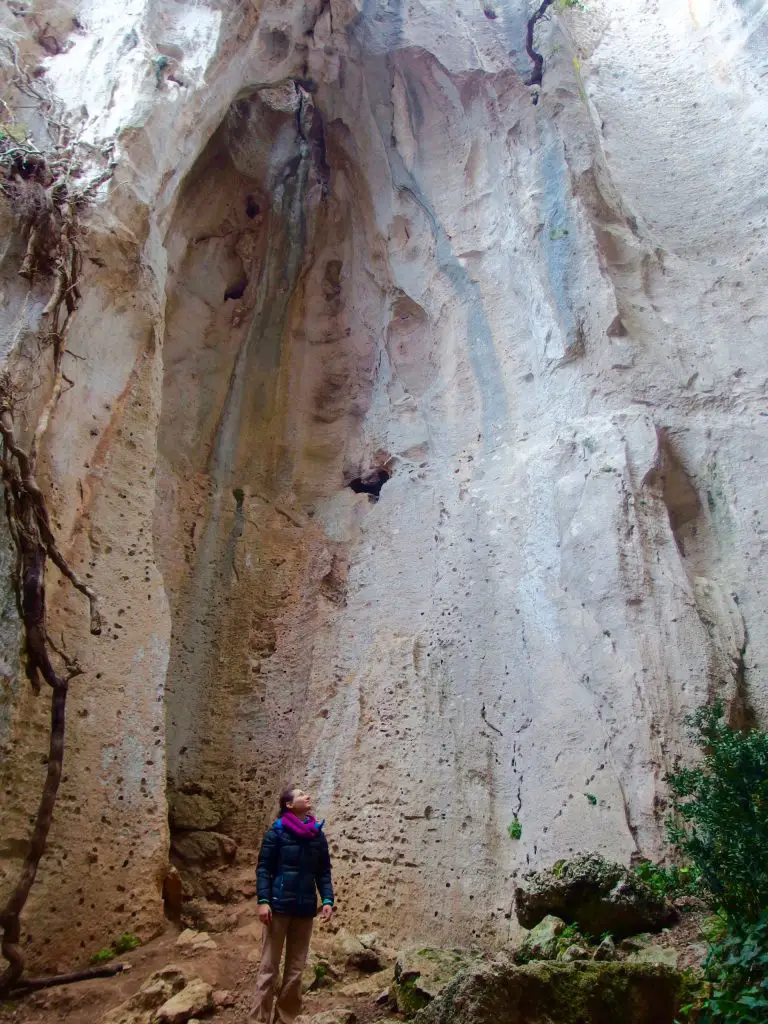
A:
x,y
126,942
668,883
514,829
103,956
737,972
721,815
721,824
123,944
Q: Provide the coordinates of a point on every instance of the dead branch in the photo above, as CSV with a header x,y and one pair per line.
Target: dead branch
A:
x,y
35,984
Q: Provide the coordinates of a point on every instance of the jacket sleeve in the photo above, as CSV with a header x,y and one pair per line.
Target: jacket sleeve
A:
x,y
267,867
323,874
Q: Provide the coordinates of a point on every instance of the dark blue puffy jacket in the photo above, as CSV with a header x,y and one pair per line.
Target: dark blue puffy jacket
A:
x,y
291,868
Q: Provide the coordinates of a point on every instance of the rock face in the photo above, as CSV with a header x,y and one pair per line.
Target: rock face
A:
x,y
567,993
598,895
416,443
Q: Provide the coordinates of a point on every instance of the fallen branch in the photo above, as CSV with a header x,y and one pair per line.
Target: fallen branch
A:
x,y
35,984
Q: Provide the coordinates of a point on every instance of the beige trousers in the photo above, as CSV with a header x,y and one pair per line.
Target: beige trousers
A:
x,y
294,933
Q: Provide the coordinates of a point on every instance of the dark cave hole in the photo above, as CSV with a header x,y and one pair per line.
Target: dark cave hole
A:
x,y
236,290
371,483
252,208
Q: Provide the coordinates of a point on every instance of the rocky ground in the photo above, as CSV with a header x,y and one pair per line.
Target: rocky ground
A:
x,y
189,974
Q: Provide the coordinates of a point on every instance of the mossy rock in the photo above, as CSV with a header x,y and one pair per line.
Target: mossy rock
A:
x,y
596,894
568,993
422,974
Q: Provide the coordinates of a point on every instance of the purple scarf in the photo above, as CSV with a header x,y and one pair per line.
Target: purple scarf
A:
x,y
305,829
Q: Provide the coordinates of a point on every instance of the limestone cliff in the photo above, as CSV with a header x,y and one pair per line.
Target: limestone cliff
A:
x,y
416,441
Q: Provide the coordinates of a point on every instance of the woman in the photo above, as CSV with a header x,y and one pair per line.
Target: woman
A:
x,y
293,863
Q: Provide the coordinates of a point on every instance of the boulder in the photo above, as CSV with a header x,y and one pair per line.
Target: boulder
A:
x,y
541,941
156,990
203,848
192,811
194,999
369,961
569,993
422,974
598,895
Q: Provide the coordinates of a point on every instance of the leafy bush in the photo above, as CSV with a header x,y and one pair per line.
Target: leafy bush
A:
x,y
668,883
721,825
737,970
721,815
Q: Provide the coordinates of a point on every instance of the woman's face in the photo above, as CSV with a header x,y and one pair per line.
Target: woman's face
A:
x,y
301,803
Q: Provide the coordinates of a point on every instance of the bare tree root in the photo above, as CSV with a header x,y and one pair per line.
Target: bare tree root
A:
x,y
35,984
49,216
536,76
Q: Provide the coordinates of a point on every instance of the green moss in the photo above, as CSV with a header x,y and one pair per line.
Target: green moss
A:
x,y
410,999
601,993
239,496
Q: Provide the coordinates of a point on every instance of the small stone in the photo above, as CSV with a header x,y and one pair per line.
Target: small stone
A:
x,y
194,999
633,943
575,952
222,998
368,986
156,990
606,950
654,954
339,1016
541,941
367,960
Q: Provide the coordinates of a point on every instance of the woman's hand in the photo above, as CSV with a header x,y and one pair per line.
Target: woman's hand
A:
x,y
326,913
265,913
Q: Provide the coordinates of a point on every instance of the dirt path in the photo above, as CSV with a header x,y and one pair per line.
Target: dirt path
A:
x,y
231,966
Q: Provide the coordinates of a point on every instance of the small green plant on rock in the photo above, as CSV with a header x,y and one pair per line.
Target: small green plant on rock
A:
x,y
126,942
103,956
123,944
515,829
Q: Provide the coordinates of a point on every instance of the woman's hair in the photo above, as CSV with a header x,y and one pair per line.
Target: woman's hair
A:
x,y
286,797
